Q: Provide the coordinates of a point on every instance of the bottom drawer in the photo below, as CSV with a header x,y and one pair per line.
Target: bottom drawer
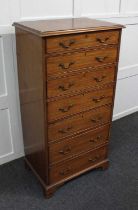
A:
x,y
69,168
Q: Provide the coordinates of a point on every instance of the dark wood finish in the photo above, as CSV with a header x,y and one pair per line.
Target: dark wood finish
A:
x,y
67,73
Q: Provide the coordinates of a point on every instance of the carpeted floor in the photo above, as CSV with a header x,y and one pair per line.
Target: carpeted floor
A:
x,y
112,189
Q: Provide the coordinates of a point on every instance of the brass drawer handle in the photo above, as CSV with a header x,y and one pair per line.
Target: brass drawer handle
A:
x,y
66,65
66,46
97,100
102,41
66,109
65,171
65,151
98,120
63,88
101,59
96,139
94,159
99,79
65,130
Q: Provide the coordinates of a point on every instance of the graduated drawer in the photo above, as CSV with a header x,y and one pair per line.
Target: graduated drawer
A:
x,y
78,123
73,146
76,165
78,103
61,64
81,81
79,41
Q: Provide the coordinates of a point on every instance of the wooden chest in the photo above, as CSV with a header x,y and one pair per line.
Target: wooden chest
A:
x,y
67,76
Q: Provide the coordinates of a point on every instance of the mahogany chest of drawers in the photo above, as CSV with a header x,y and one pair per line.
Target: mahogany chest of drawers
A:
x,y
67,73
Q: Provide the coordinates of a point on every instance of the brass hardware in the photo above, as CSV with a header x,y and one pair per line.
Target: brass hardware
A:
x,y
96,139
94,159
66,46
101,59
65,172
102,41
66,130
99,79
98,120
63,88
66,65
96,100
65,151
66,109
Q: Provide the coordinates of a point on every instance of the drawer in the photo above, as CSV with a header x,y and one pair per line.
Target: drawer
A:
x,y
75,104
78,164
81,41
73,146
62,64
81,81
78,123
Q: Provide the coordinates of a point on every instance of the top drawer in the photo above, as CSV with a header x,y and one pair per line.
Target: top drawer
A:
x,y
84,40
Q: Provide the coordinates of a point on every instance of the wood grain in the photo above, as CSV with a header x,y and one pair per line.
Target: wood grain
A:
x,y
67,73
70,105
70,147
82,41
63,64
72,166
80,81
81,122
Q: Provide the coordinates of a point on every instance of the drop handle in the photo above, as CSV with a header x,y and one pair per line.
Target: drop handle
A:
x,y
66,46
102,41
99,79
65,171
98,120
66,65
65,151
94,159
101,58
65,130
66,109
96,139
63,88
98,99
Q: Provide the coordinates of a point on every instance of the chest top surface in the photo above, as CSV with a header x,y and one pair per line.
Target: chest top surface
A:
x,y
65,26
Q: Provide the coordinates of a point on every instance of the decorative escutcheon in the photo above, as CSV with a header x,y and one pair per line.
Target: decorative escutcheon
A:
x,y
66,46
65,130
101,58
102,41
66,109
63,88
94,159
99,79
66,65
96,139
96,100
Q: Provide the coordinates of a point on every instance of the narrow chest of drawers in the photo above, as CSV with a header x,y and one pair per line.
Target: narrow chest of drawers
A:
x,y
67,73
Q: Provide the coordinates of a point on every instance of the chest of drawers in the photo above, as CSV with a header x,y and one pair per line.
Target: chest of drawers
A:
x,y
67,73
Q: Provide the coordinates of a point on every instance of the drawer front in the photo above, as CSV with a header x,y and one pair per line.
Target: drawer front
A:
x,y
85,40
65,149
75,104
81,81
59,65
89,119
78,164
